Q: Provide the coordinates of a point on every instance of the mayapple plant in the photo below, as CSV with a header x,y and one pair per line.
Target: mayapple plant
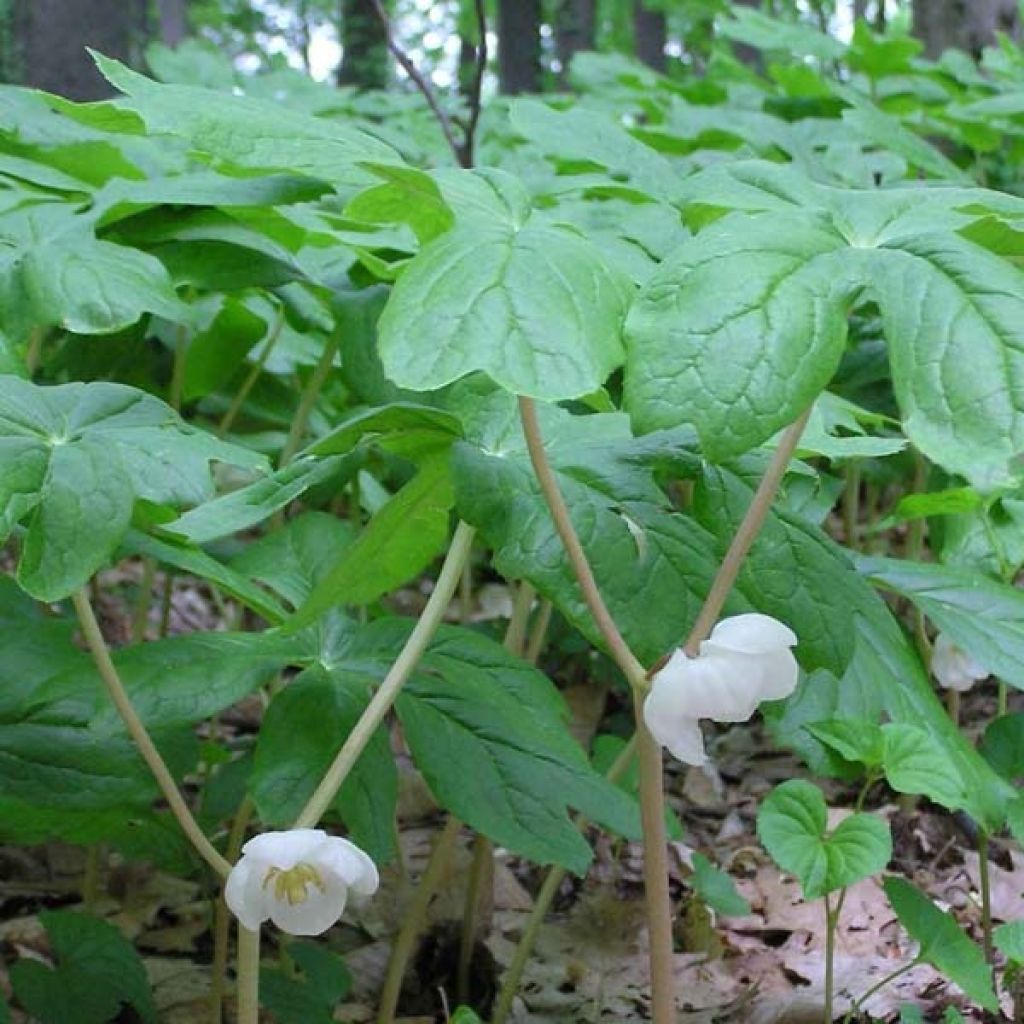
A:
x,y
609,378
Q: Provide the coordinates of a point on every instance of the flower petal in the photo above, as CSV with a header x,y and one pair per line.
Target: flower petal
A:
x,y
779,675
244,894
313,916
285,849
665,712
953,667
752,633
350,864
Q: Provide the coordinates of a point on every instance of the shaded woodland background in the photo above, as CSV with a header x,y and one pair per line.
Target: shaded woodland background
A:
x,y
42,42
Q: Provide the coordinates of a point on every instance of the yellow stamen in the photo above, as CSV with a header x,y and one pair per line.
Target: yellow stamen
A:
x,y
293,885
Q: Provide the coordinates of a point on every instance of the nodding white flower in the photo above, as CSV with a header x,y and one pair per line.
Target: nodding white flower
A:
x,y
300,879
954,668
747,659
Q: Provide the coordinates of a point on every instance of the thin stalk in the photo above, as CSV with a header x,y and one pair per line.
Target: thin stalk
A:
x,y
35,350
101,656
483,850
539,633
652,796
252,376
483,859
466,593
380,704
851,503
986,898
888,979
1002,699
953,706
165,603
915,549
178,368
222,916
310,393
415,918
91,876
248,976
831,922
747,533
542,904
140,614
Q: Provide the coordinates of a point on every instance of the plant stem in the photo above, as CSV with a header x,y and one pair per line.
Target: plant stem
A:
x,y
101,656
222,916
310,393
831,923
91,876
380,704
617,646
253,375
34,350
539,633
165,603
1002,699
414,919
522,604
851,504
986,898
898,973
746,534
479,872
248,976
178,368
548,890
652,797
140,614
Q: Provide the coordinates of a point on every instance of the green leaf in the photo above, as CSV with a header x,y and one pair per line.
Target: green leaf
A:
x,y
408,196
81,455
717,889
294,558
324,983
97,972
915,762
983,617
401,427
249,132
943,944
1003,746
1009,940
322,705
951,502
756,29
530,303
397,544
792,824
855,739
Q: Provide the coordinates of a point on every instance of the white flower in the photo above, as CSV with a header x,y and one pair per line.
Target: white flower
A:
x,y
953,668
746,660
300,879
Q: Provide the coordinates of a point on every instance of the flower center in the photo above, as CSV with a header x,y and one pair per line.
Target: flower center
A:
x,y
293,885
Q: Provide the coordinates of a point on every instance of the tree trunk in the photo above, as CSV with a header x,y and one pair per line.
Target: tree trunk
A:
x,y
519,46
574,30
364,47
969,25
649,35
173,21
749,55
860,9
49,37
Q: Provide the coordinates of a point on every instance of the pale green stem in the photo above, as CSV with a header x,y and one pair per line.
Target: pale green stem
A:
x,y
539,633
165,603
222,916
252,376
466,593
542,904
380,704
108,672
1002,699
34,351
415,917
851,504
483,859
310,394
831,923
953,706
178,368
248,990
986,898
91,876
140,614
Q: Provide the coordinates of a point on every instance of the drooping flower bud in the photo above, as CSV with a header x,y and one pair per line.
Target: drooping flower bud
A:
x,y
747,659
953,668
299,879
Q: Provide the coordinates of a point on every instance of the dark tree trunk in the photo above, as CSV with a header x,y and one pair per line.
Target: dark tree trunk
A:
x,y
365,61
649,35
519,46
969,25
574,29
173,21
860,9
49,38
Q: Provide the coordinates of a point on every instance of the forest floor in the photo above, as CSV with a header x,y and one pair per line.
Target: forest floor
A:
x,y
590,963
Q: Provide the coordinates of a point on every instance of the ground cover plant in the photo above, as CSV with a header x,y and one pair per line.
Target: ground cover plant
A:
x,y
431,524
